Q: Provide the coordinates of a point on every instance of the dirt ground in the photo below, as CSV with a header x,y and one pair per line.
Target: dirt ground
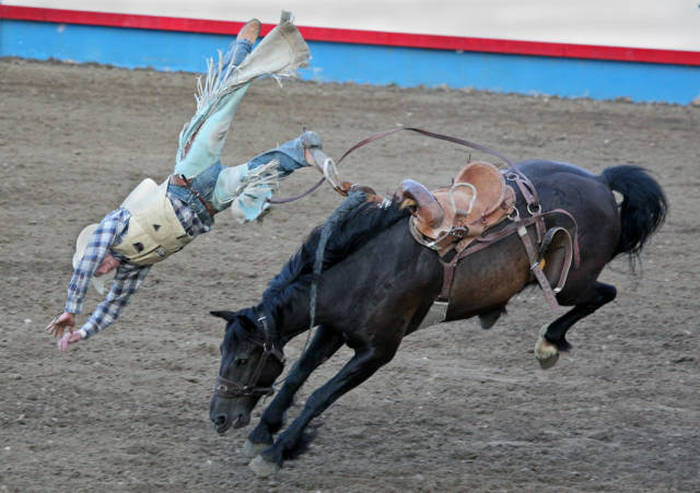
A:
x,y
458,409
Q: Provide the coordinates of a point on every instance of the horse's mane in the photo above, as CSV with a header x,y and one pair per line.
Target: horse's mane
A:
x,y
350,226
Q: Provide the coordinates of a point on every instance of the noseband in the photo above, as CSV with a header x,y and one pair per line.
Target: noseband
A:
x,y
229,389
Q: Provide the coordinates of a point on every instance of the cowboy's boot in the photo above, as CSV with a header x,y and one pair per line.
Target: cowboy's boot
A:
x,y
243,44
314,156
250,31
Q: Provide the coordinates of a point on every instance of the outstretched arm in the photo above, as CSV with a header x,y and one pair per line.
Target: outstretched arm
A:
x,y
94,259
104,236
127,281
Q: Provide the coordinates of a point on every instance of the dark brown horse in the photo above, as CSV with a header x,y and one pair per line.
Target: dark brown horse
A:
x,y
378,283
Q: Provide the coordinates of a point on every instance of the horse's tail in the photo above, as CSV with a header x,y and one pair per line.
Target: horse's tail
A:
x,y
643,209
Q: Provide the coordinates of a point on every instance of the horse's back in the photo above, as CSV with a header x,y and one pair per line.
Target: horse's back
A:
x,y
569,187
542,167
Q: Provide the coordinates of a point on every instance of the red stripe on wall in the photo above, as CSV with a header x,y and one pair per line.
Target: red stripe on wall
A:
x,y
333,35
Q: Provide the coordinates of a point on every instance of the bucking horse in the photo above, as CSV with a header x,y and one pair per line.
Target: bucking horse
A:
x,y
369,276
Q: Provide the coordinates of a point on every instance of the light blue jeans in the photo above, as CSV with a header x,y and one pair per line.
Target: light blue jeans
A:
x,y
291,153
203,173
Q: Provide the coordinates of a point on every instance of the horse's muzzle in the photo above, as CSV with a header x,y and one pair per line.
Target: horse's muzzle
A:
x,y
225,413
222,422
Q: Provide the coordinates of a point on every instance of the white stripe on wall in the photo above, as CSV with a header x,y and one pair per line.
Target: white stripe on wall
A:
x,y
661,24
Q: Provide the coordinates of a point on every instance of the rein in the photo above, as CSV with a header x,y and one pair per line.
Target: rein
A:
x,y
427,133
381,135
231,390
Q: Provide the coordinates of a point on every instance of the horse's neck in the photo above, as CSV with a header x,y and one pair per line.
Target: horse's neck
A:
x,y
292,316
383,255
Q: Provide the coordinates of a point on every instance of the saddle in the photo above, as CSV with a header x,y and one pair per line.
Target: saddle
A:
x,y
449,219
477,199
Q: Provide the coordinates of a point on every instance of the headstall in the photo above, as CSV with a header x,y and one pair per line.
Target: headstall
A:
x,y
229,389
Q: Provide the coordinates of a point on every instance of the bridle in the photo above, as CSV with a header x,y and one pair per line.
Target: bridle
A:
x,y
229,389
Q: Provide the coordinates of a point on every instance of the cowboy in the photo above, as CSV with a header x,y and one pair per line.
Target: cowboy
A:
x,y
155,221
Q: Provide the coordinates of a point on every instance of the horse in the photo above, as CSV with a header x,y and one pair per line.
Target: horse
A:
x,y
377,283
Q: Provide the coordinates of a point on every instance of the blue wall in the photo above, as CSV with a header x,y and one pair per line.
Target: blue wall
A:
x,y
168,50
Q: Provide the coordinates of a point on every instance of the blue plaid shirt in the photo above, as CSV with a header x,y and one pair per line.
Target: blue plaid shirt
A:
x,y
128,277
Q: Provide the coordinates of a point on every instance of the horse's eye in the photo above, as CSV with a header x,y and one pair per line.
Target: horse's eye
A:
x,y
241,361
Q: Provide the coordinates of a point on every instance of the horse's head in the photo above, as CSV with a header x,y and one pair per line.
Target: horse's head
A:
x,y
250,363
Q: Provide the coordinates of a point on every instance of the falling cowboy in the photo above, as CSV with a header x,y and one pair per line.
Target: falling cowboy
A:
x,y
155,221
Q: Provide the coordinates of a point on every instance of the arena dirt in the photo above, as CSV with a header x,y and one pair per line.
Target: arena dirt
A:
x,y
458,409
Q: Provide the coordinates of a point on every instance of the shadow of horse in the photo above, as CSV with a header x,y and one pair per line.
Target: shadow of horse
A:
x,y
377,284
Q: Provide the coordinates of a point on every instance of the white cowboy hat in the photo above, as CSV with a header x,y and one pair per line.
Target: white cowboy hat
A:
x,y
81,244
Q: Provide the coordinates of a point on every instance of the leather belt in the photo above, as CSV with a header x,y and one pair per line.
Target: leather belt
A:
x,y
181,181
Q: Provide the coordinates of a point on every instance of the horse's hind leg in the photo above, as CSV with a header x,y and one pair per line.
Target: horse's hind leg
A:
x,y
553,339
324,343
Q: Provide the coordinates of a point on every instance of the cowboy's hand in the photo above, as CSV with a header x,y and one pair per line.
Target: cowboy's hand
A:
x,y
69,338
59,324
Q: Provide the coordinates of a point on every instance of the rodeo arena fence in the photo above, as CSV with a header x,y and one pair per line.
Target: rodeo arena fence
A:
x,y
644,51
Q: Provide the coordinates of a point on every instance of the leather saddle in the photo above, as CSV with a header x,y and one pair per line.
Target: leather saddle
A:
x,y
477,199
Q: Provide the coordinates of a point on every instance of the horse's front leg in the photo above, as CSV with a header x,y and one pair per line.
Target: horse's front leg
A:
x,y
363,364
322,346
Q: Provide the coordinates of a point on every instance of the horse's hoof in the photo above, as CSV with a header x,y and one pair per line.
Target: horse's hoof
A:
x,y
250,449
546,352
263,468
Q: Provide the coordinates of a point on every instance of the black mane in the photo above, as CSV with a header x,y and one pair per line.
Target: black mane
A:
x,y
351,227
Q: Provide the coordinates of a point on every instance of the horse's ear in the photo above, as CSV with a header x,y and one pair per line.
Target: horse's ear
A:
x,y
227,315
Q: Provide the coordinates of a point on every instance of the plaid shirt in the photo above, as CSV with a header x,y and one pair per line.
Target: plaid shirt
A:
x,y
128,277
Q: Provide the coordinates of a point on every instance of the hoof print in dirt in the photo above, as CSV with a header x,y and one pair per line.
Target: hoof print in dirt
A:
x,y
263,468
250,449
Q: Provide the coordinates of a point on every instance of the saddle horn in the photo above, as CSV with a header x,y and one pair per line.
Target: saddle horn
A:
x,y
426,208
